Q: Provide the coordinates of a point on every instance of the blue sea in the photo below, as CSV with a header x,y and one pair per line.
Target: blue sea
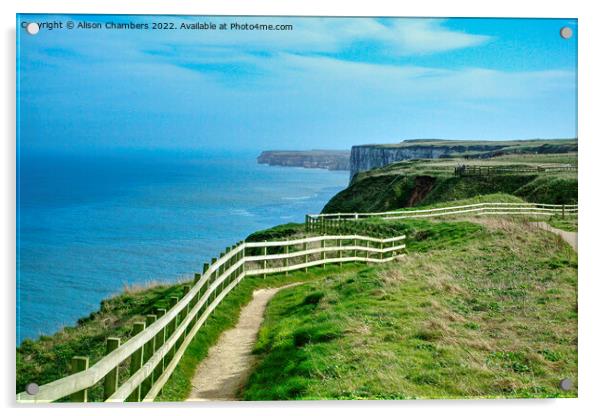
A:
x,y
89,224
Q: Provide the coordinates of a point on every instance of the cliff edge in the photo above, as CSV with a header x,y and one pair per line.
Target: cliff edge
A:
x,y
373,156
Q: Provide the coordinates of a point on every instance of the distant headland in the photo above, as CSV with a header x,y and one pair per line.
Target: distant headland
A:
x,y
312,159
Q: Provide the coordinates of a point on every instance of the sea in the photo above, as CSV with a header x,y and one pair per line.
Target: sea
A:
x,y
89,224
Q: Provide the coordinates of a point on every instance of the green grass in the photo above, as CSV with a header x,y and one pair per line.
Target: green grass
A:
x,y
485,144
492,315
225,316
479,268
494,197
427,182
279,232
48,358
569,223
423,235
539,158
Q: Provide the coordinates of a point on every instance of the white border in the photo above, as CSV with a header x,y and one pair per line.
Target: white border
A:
x,y
589,155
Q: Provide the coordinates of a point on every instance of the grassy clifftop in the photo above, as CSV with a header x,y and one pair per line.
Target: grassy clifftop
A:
x,y
492,313
506,144
425,182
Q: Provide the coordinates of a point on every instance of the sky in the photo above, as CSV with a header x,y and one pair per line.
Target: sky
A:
x,y
329,83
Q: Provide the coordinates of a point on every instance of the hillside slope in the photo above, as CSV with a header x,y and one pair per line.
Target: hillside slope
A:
x,y
492,313
423,182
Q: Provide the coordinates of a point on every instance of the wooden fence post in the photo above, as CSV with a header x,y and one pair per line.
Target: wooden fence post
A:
x,y
340,252
187,308
159,341
222,270
149,350
323,253
265,262
206,285
241,258
243,255
306,258
79,364
212,279
111,381
136,362
286,250
173,300
563,211
197,297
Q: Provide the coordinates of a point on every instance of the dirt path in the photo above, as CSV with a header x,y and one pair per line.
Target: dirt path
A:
x,y
568,236
227,366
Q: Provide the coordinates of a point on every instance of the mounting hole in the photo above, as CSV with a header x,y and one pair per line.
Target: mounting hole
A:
x,y
566,384
32,388
566,32
32,28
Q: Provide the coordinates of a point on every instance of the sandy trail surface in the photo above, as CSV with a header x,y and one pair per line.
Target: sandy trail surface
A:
x,y
228,365
568,236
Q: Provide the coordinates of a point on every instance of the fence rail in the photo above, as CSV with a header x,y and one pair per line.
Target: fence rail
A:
x,y
484,170
328,222
154,352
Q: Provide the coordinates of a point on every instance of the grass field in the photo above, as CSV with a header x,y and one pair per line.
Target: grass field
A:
x,y
493,314
566,224
427,182
226,315
510,144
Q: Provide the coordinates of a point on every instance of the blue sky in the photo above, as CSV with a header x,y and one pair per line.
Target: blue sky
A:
x,y
329,83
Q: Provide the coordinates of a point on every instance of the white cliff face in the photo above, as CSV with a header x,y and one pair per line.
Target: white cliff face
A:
x,y
367,157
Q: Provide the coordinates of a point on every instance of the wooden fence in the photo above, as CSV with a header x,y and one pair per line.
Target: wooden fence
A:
x,y
332,222
154,351
484,170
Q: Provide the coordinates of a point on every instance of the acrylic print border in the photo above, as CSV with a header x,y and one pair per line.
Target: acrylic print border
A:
x,y
170,330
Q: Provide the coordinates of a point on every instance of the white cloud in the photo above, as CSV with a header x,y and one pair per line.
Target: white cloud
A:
x,y
396,37
412,83
425,36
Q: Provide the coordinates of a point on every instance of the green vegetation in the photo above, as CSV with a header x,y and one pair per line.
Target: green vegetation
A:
x,y
494,197
488,148
566,224
490,313
498,143
279,232
225,316
426,182
480,308
48,358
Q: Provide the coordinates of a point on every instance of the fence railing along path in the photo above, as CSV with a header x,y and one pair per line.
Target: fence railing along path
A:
x,y
323,222
154,351
484,170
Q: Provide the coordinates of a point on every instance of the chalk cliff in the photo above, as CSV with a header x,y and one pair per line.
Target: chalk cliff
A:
x,y
320,159
367,157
